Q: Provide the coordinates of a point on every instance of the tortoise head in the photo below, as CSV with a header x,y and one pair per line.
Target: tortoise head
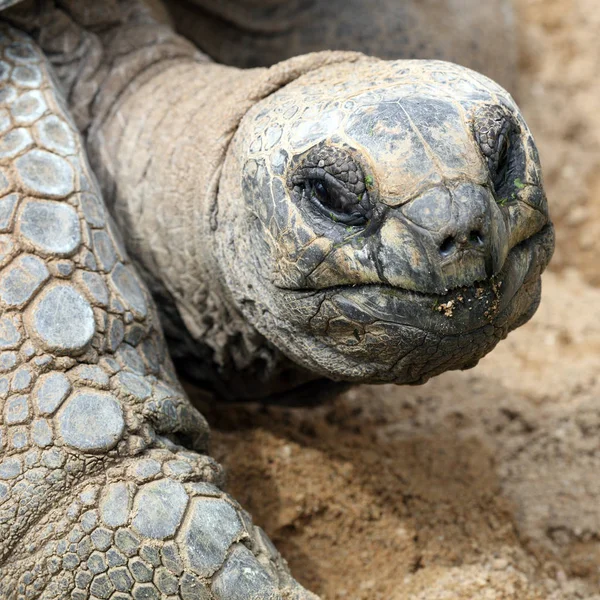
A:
x,y
384,221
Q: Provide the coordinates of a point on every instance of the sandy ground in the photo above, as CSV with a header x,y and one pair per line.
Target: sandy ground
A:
x,y
482,484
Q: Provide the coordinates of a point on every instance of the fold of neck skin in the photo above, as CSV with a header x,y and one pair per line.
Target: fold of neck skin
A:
x,y
160,152
162,148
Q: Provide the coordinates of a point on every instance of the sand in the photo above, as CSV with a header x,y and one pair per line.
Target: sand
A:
x,y
480,484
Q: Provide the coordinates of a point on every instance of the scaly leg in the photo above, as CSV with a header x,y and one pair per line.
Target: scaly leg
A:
x,y
96,498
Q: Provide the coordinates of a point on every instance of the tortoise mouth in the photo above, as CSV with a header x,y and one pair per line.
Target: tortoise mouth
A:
x,y
462,309
382,334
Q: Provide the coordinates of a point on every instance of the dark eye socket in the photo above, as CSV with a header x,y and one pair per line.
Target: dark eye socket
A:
x,y
331,183
501,167
494,130
320,192
335,204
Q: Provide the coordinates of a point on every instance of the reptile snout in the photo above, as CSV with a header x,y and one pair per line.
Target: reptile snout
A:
x,y
462,233
467,236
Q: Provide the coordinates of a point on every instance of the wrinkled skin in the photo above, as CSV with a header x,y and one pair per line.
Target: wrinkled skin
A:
x,y
318,214
389,222
106,486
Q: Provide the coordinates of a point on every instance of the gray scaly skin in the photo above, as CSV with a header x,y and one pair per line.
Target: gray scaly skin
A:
x,y
357,220
96,499
333,218
399,227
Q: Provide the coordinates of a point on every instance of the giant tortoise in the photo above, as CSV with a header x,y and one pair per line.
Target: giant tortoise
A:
x,y
283,230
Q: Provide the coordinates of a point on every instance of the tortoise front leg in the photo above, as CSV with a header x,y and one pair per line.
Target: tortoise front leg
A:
x,y
97,500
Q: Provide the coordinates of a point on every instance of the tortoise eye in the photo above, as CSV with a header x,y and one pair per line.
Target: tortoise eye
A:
x,y
321,193
494,131
330,183
335,203
501,167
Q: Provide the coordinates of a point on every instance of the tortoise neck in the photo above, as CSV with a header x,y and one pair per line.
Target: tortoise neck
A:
x,y
156,115
160,152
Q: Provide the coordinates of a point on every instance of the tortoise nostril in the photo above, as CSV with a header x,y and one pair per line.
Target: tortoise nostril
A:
x,y
476,238
452,243
448,246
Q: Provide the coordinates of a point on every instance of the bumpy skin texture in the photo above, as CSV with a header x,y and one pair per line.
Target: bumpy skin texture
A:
x,y
441,261
430,185
427,245
96,500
